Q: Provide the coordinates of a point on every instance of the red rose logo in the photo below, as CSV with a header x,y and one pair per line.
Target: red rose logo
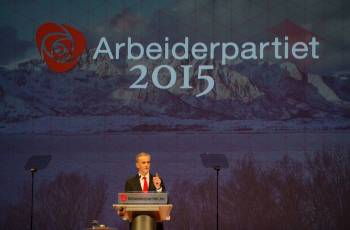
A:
x,y
60,46
123,197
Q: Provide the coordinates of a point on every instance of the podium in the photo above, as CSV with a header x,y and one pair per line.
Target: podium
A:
x,y
143,210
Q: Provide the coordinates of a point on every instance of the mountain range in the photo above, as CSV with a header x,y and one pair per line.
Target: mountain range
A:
x,y
245,95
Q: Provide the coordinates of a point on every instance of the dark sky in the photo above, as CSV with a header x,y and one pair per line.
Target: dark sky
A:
x,y
205,20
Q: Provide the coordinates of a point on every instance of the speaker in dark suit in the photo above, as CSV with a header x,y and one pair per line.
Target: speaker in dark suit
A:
x,y
144,181
133,184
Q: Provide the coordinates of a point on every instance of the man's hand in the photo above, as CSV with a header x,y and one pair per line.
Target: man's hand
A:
x,y
157,181
121,211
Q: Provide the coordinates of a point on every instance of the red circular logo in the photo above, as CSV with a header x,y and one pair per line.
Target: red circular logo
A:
x,y
60,46
123,197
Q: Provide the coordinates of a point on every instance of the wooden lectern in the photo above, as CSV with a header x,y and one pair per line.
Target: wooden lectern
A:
x,y
143,210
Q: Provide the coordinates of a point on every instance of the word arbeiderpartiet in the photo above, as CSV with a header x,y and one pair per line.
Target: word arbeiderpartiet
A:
x,y
199,50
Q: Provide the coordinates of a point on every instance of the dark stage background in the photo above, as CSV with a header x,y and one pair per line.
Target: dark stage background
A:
x,y
284,125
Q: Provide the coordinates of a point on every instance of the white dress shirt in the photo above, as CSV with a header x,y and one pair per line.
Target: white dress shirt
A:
x,y
142,182
147,178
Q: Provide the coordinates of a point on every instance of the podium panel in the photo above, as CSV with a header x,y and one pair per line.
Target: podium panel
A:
x,y
160,212
144,211
143,198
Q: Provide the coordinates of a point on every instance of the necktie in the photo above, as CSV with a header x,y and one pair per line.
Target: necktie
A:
x,y
145,185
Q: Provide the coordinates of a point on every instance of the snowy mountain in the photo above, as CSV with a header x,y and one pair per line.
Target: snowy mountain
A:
x,y
245,91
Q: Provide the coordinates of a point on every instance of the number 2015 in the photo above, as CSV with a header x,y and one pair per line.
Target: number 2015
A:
x,y
173,76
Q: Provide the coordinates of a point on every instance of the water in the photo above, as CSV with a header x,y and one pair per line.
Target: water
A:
x,y
175,156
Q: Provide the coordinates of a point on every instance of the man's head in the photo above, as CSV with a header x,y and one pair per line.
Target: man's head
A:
x,y
143,163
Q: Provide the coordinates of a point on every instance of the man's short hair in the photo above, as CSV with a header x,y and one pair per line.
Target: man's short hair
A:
x,y
141,154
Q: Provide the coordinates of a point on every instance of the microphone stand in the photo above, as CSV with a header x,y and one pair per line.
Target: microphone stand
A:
x,y
32,170
216,162
33,164
217,169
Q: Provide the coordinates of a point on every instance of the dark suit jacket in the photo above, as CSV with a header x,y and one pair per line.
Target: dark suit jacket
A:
x,y
133,184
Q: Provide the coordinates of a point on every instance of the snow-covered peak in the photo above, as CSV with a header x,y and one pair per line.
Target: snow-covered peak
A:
x,y
342,75
293,70
323,89
31,59
102,65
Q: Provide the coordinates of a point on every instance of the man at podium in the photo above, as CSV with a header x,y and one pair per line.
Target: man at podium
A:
x,y
144,181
